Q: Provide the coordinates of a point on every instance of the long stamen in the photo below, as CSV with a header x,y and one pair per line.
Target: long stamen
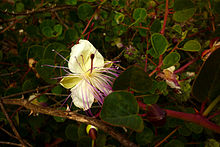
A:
x,y
65,100
60,55
55,66
92,57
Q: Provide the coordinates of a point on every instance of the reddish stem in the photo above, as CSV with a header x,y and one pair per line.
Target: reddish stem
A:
x,y
156,69
186,65
215,114
195,118
165,18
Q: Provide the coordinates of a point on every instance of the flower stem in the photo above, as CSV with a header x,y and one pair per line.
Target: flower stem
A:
x,y
211,106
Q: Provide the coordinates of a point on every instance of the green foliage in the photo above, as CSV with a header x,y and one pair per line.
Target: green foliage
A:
x,y
207,82
159,43
135,78
34,35
171,59
192,46
121,109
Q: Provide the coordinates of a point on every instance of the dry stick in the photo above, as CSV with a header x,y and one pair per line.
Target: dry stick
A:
x,y
11,143
26,92
73,116
60,20
11,124
11,25
14,136
166,137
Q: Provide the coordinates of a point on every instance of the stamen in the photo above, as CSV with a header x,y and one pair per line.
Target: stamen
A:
x,y
66,100
92,57
60,55
55,66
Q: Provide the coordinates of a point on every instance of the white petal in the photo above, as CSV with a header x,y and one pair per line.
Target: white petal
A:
x,y
82,95
80,60
172,84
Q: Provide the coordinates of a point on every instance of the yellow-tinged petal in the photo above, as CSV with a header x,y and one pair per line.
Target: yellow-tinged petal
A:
x,y
108,64
70,81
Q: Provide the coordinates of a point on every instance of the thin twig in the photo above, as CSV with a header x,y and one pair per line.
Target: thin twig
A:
x,y
11,124
60,20
14,136
158,144
11,143
25,92
73,116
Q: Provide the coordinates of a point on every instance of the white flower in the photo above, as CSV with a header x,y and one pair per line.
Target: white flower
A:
x,y
90,76
170,77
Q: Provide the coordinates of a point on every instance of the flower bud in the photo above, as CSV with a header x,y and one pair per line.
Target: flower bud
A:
x,y
92,131
156,115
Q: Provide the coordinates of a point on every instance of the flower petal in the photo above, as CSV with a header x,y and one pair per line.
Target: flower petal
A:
x,y
80,57
82,95
70,81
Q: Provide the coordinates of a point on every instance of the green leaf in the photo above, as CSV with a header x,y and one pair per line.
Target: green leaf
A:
x,y
84,141
35,51
29,85
192,45
57,90
42,99
84,11
174,143
159,43
171,59
212,143
194,127
48,52
71,2
182,5
121,109
48,31
71,132
145,137
156,26
151,98
177,28
71,35
135,78
58,28
19,7
46,73
60,119
140,14
183,15
207,82
119,17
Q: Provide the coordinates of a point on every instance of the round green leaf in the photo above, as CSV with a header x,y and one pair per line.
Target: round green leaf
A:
x,y
140,14
182,5
207,82
171,59
119,17
121,109
71,2
183,15
159,43
71,132
71,35
151,98
57,90
19,7
47,31
35,51
58,28
48,52
174,143
84,141
156,26
145,137
84,11
135,78
46,73
192,45
194,127
60,119
28,85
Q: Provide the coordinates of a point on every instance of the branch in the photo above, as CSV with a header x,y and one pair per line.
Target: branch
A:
x,y
73,116
11,124
41,10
